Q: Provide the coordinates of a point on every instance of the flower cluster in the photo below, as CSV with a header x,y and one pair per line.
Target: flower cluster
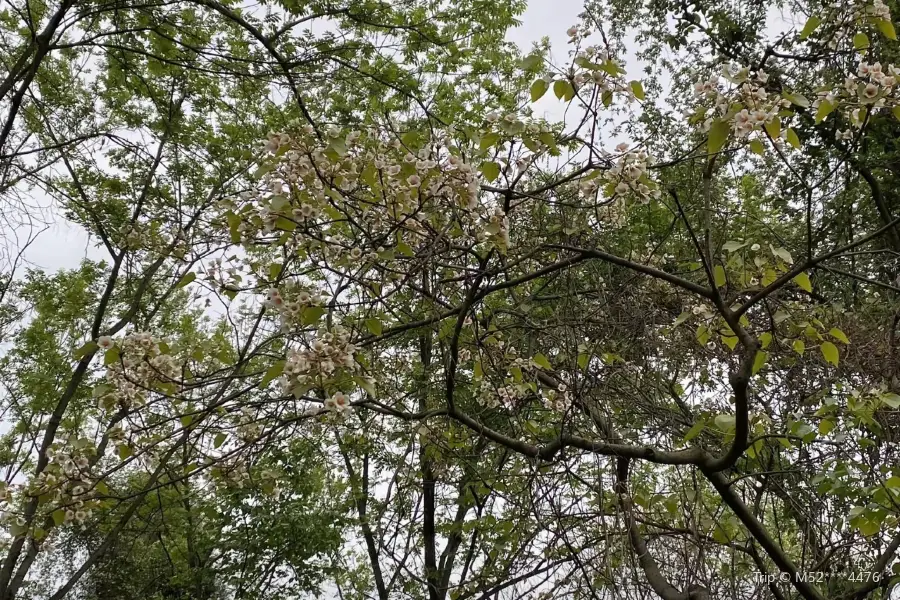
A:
x,y
67,481
746,105
516,386
872,87
311,189
338,403
627,178
237,474
594,66
880,10
329,353
133,236
495,397
630,175
249,425
224,274
496,228
558,400
143,236
138,364
290,309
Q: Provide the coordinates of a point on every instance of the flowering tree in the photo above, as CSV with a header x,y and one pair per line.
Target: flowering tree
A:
x,y
534,362
135,120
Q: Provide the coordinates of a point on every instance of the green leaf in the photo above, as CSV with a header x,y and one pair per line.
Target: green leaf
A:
x,y
538,89
188,277
773,128
531,144
638,89
825,109
730,341
826,426
757,147
490,170
272,372
702,334
718,135
374,326
365,384
802,279
477,370
796,99
868,527
860,41
886,28
111,356
86,349
387,255
285,224
583,360
733,246
274,271
719,276
101,390
186,420
541,361
16,530
839,335
725,423
488,140
810,26
694,431
563,90
311,314
759,361
782,254
792,138
830,352
234,222
262,170
684,316
59,516
549,140
124,451
799,347
410,139
893,483
532,62
219,439
338,146
896,111
891,399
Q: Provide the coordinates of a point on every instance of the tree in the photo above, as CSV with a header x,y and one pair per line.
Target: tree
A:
x,y
136,120
536,363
